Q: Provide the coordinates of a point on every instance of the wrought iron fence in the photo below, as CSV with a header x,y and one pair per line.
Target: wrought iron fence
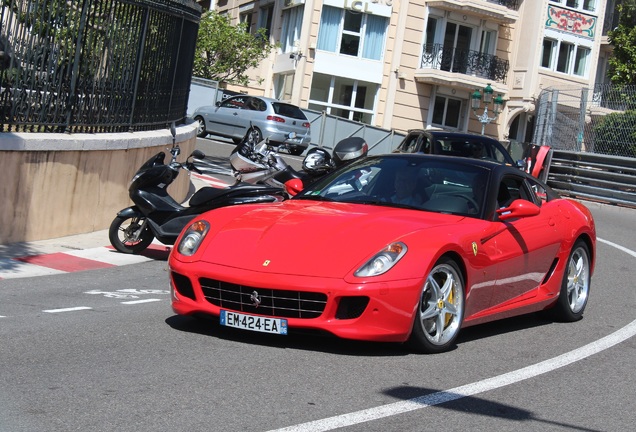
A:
x,y
437,56
95,65
599,120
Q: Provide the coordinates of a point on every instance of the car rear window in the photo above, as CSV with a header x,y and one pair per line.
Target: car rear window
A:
x,y
287,110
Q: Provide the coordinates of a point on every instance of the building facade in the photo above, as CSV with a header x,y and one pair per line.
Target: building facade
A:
x,y
404,64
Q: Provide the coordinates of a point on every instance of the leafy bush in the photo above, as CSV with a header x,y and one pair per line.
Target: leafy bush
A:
x,y
615,134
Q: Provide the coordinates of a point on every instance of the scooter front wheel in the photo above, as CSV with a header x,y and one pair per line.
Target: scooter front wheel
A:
x,y
127,235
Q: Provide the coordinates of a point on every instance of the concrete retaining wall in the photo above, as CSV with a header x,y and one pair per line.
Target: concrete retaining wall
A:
x,y
54,185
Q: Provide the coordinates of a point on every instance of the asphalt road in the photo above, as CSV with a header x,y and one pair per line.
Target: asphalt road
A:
x,y
118,363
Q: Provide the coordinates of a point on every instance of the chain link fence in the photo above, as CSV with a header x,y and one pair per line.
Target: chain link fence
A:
x,y
598,120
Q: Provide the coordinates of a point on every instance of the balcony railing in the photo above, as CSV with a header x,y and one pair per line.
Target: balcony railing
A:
x,y
468,62
510,4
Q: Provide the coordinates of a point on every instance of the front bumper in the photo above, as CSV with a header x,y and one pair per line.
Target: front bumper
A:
x,y
381,312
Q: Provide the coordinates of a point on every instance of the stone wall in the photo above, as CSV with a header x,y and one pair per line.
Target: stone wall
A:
x,y
54,185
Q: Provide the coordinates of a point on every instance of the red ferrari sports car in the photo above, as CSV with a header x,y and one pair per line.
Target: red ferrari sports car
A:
x,y
401,247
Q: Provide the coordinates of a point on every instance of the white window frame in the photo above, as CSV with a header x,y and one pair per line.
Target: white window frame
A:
x,y
585,6
283,86
266,18
480,30
560,42
291,28
361,34
247,18
462,116
330,105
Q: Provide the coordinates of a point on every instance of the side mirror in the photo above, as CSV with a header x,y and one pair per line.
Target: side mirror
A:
x,y
518,209
198,154
173,130
293,186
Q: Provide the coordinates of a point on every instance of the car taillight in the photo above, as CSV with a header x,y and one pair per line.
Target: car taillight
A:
x,y
276,119
307,125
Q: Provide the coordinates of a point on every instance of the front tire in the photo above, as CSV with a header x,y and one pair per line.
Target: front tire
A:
x,y
125,235
201,131
253,136
440,311
575,287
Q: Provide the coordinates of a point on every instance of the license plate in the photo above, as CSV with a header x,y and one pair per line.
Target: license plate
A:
x,y
254,323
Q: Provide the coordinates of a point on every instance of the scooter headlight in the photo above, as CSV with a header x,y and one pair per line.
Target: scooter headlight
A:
x,y
193,237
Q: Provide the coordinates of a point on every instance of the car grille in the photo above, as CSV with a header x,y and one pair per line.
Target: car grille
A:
x,y
279,303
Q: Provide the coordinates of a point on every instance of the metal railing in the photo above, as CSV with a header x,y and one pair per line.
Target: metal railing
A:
x,y
327,130
602,178
95,66
468,62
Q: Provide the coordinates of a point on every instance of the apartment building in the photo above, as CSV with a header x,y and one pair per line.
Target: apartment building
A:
x,y
403,64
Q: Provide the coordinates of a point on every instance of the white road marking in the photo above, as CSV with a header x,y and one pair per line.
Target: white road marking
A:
x,y
619,247
132,302
73,309
503,380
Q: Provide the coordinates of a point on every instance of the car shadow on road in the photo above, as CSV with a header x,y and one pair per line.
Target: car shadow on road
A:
x,y
327,343
473,405
301,340
503,326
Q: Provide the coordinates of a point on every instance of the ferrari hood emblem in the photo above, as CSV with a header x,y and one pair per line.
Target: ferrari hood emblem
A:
x,y
475,248
266,263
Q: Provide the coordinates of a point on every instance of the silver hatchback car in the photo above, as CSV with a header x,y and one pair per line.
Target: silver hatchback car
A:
x,y
255,118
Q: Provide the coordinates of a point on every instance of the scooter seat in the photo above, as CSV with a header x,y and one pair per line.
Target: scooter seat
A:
x,y
207,194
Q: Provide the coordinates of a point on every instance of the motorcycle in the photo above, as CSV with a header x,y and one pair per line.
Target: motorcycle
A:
x,y
155,214
261,164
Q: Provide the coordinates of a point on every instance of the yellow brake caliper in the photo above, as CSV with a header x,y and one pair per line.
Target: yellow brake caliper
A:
x,y
448,317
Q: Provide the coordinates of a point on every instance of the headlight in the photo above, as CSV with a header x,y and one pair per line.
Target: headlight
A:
x,y
383,261
193,237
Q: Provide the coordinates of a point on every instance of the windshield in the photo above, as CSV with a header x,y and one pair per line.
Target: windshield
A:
x,y
406,181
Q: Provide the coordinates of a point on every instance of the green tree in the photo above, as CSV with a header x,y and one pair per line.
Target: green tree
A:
x,y
622,64
614,134
225,52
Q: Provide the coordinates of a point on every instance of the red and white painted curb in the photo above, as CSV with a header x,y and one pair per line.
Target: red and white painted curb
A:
x,y
86,259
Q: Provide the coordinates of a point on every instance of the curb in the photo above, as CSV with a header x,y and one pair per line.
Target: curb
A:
x,y
81,252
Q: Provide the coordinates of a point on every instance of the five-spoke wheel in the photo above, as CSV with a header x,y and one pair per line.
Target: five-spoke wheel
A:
x,y
440,310
575,287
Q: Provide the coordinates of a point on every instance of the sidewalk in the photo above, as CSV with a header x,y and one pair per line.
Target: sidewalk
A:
x,y
79,252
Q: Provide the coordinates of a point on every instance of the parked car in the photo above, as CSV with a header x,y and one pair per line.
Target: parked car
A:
x,y
255,117
360,261
455,144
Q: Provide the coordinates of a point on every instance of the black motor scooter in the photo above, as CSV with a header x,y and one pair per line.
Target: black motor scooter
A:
x,y
157,215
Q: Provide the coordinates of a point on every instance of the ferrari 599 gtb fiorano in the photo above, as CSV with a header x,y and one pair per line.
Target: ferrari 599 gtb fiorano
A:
x,y
402,247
